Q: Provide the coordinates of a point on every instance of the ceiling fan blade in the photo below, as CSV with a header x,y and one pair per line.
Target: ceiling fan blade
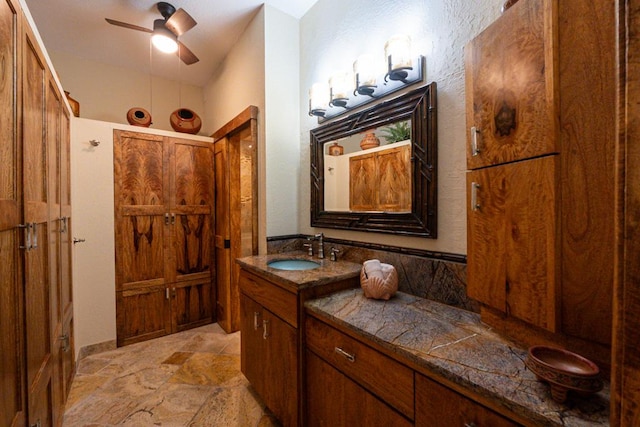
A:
x,y
186,55
129,26
180,22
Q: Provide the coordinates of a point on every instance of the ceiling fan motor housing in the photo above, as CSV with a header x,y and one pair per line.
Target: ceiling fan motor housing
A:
x,y
166,10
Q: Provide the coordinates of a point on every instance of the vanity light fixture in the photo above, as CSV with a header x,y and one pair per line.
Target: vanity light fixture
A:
x,y
366,77
369,81
319,99
339,89
397,51
163,39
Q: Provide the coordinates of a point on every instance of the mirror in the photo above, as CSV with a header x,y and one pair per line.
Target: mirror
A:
x,y
387,186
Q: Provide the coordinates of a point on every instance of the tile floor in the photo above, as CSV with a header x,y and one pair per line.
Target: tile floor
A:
x,y
191,378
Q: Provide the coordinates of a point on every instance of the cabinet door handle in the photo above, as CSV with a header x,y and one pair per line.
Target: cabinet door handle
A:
x,y
471,424
166,293
34,239
475,144
27,236
173,218
65,342
475,206
63,224
256,325
265,329
350,357
166,218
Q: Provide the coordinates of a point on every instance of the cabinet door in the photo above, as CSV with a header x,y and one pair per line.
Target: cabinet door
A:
x,y
512,241
270,359
363,183
394,185
192,304
66,248
438,406
226,293
191,199
511,97
252,344
142,313
335,400
12,403
142,226
36,264
191,255
141,179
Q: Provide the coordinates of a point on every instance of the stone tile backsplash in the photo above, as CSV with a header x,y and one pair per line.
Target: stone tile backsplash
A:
x,y
438,280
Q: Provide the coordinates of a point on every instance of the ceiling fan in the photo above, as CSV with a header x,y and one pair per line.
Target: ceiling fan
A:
x,y
166,31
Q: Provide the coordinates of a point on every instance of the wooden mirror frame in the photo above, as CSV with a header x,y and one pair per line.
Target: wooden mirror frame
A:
x,y
419,106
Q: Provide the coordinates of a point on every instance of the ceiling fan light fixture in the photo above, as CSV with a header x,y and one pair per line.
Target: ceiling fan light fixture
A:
x,y
163,39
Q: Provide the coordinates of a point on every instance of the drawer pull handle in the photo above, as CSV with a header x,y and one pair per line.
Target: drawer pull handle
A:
x,y
350,357
265,329
471,424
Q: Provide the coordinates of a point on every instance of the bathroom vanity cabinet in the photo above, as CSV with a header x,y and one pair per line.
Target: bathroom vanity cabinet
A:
x,y
269,325
540,100
437,405
345,385
350,382
271,319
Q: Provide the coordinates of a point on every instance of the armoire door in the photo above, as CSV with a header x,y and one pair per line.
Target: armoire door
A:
x,y
142,221
12,403
191,201
57,137
36,265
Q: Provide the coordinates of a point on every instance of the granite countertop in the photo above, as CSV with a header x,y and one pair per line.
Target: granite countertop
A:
x,y
455,345
295,280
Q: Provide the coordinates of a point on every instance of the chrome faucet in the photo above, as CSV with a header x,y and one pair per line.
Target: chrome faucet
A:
x,y
319,237
334,254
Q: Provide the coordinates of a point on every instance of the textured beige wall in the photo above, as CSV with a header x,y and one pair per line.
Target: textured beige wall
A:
x,y
106,92
335,32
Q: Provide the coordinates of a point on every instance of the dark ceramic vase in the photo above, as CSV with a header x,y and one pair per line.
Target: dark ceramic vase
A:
x,y
185,120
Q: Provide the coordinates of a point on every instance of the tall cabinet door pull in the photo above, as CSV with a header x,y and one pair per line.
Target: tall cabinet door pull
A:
x,y
475,144
475,205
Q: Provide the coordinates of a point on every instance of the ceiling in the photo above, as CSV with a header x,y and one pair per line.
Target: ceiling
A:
x,y
78,27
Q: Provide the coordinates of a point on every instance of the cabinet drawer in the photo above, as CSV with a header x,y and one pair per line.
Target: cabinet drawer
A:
x,y
437,405
280,302
384,377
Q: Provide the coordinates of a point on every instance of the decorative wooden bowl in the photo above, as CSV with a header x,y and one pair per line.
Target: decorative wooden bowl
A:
x,y
564,371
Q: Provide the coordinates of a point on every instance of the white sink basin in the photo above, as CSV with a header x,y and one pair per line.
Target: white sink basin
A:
x,y
293,264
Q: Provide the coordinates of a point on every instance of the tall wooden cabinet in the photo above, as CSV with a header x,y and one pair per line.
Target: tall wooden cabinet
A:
x,y
540,87
12,356
163,220
36,312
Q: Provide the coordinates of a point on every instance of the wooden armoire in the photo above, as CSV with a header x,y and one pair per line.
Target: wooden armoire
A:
x,y
36,311
163,234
